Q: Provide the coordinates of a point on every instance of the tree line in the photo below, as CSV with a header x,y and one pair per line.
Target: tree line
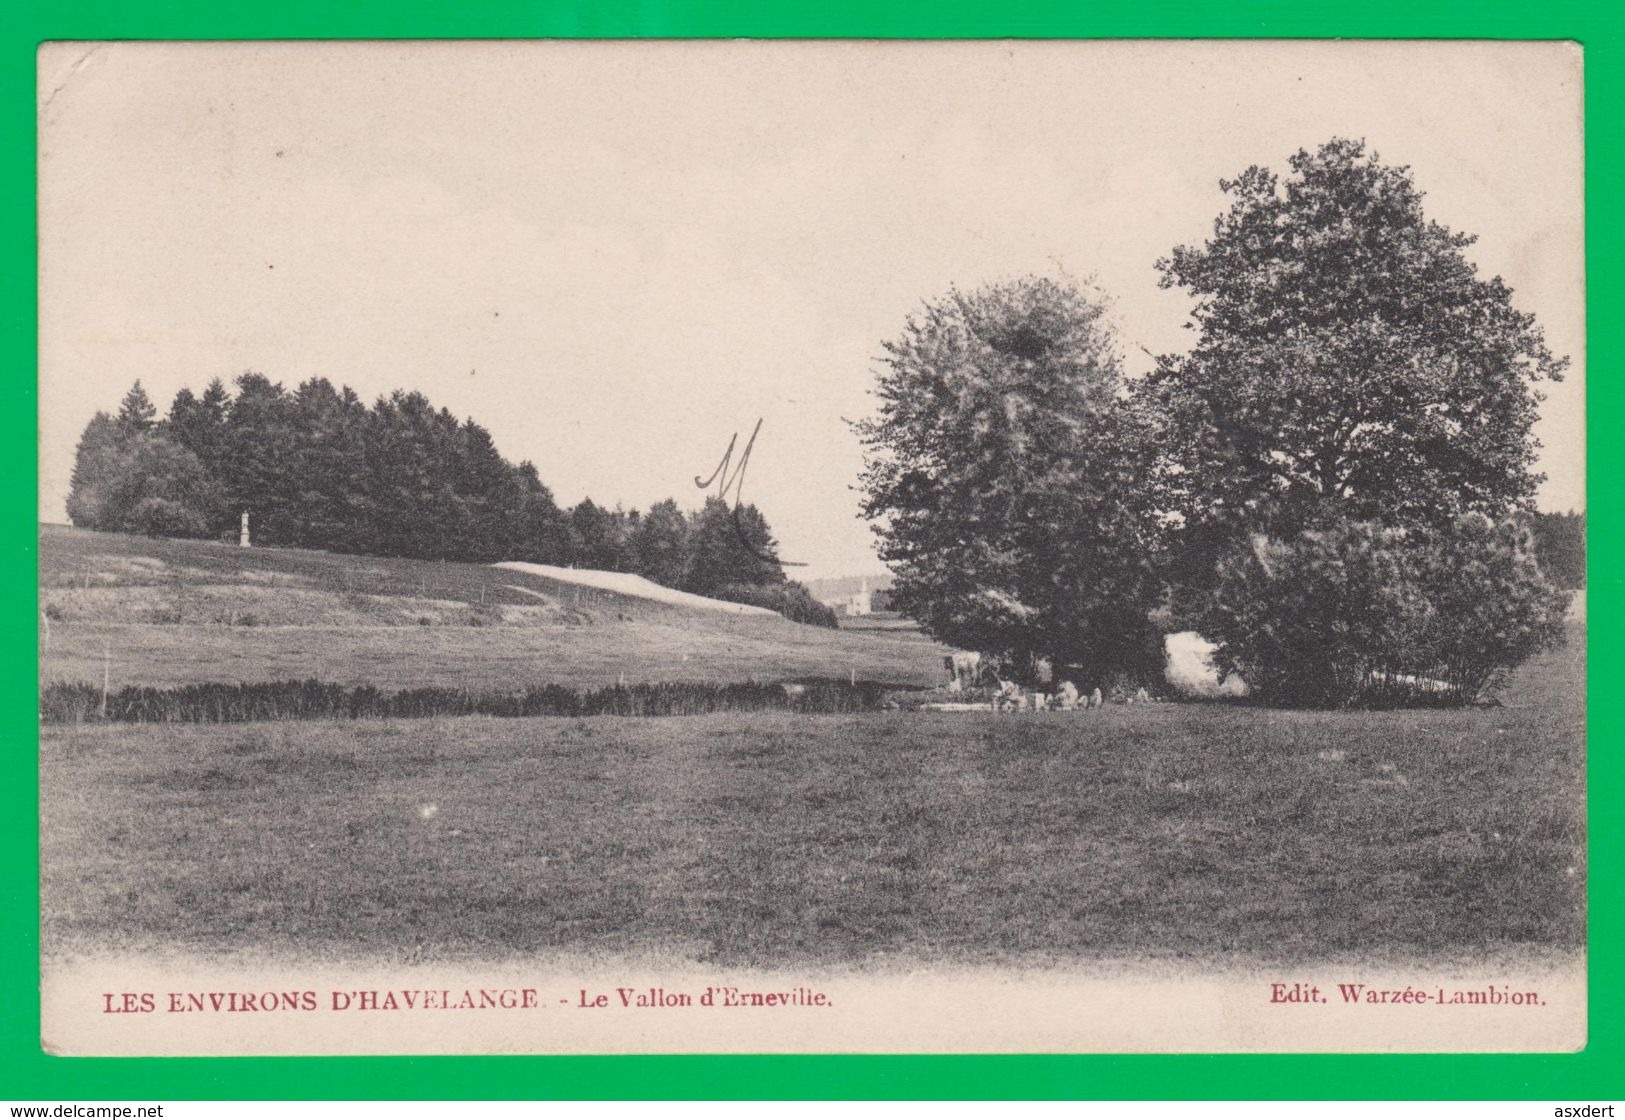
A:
x,y
317,468
1335,483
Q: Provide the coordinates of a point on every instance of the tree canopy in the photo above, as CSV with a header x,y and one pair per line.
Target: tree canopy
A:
x,y
1355,418
1349,360
1006,470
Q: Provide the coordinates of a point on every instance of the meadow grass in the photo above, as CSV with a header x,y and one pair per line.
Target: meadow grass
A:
x,y
489,660
1170,831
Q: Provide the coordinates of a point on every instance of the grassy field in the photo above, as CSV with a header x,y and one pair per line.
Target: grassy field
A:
x,y
163,612
1163,831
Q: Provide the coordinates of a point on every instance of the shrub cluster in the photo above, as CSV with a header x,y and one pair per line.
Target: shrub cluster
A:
x,y
792,600
1560,542
1355,612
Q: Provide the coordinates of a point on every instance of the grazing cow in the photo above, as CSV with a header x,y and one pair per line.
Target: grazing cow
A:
x,y
1096,700
965,668
794,691
1066,697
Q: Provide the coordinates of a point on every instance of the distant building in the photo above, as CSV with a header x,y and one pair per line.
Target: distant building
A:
x,y
841,597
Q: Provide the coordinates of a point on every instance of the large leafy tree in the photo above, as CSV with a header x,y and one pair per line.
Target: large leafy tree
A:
x,y
129,476
1350,361
1007,475
1358,405
142,483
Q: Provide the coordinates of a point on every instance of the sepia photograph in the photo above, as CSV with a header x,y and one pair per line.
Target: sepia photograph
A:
x,y
611,547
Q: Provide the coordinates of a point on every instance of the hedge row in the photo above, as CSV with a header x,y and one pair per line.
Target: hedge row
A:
x,y
313,699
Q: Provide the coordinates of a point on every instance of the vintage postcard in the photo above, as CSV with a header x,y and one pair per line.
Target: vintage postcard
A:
x,y
652,547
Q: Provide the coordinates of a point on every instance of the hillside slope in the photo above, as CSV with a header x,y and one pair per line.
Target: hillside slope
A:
x,y
625,583
157,611
111,577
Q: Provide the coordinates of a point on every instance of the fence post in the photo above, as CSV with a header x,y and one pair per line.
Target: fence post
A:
x,y
107,674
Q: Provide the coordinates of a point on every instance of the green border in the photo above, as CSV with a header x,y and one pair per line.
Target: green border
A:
x,y
26,1073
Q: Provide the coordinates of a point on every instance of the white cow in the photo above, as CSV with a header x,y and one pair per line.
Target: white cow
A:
x,y
965,667
1066,696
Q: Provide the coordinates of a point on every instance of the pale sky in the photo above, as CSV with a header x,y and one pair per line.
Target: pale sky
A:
x,y
615,255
